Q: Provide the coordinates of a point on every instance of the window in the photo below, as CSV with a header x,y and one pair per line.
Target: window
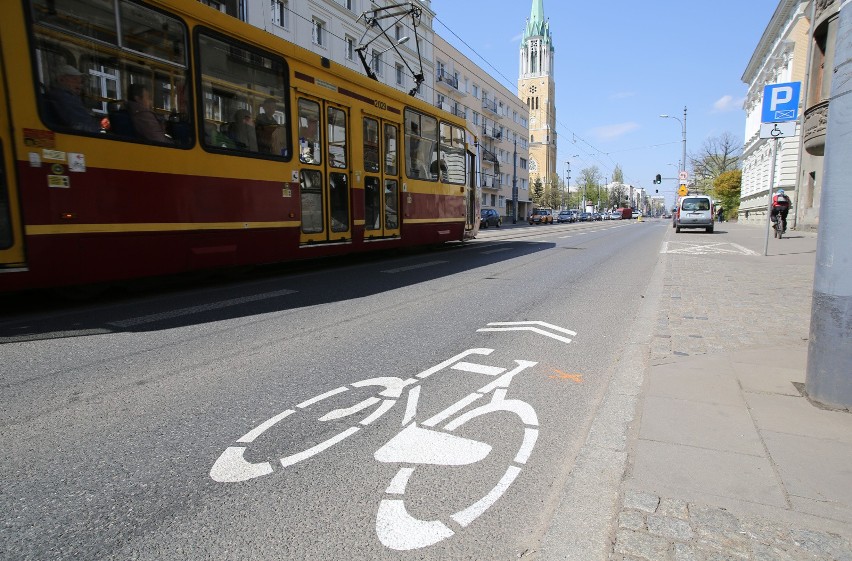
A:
x,y
349,4
280,11
475,118
523,163
371,145
350,48
400,76
244,95
310,133
475,90
376,62
336,135
451,163
105,75
421,144
397,32
318,32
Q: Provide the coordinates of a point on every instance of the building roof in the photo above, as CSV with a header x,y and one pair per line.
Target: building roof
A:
x,y
537,24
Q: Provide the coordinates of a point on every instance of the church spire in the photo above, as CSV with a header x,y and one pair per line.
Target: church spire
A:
x,y
537,24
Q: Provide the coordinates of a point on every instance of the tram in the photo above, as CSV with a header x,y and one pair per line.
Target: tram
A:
x,y
143,138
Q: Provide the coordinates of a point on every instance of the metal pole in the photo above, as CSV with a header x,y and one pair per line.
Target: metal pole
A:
x,y
683,157
772,152
829,371
515,183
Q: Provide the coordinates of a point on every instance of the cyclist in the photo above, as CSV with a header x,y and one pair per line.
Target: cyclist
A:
x,y
780,206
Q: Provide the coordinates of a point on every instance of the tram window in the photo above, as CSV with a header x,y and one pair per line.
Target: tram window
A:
x,y
452,159
338,195
311,189
372,203
421,138
336,138
85,68
391,167
371,145
310,141
391,203
243,92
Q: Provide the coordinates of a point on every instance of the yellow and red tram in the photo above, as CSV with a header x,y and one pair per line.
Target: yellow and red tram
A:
x,y
144,138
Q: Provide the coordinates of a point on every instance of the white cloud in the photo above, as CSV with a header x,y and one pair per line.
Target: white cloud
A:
x,y
727,103
611,132
516,38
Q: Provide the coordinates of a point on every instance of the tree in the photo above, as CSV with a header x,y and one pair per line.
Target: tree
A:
x,y
717,155
590,178
617,195
726,188
553,193
617,174
537,192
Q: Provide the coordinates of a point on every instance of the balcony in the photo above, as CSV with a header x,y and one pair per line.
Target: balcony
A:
x,y
492,132
443,105
442,78
490,106
816,123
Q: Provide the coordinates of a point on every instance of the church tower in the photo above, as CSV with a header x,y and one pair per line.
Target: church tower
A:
x,y
537,88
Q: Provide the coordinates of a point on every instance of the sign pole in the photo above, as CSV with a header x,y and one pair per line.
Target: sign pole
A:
x,y
772,153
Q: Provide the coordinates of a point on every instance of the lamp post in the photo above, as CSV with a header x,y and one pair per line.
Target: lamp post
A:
x,y
568,180
683,130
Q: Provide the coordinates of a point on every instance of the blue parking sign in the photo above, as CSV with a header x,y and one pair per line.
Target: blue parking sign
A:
x,y
781,102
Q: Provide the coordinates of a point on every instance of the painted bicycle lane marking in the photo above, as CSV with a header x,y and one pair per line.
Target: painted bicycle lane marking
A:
x,y
430,442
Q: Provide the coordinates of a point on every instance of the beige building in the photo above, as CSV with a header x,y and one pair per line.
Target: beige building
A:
x,y
536,87
780,57
497,117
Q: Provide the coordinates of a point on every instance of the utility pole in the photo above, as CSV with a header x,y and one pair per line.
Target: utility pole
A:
x,y
515,183
829,371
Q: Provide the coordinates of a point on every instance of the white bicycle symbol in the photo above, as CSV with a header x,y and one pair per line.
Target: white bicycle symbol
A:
x,y
430,442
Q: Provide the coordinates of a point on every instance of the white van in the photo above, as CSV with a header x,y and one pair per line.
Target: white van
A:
x,y
695,211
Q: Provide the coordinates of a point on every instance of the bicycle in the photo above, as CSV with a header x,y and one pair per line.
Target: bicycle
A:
x,y
779,225
417,443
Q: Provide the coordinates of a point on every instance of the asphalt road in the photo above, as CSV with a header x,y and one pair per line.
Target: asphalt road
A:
x,y
179,424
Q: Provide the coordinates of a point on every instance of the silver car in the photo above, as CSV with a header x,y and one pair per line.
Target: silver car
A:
x,y
695,211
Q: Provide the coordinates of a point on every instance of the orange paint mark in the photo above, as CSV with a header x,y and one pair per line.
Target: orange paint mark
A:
x,y
576,378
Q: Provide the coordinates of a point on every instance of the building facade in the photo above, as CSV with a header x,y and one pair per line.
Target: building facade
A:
x,y
824,14
537,88
335,29
497,117
780,56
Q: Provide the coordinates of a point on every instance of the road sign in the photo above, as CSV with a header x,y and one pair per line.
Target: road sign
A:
x,y
780,102
683,176
778,130
682,191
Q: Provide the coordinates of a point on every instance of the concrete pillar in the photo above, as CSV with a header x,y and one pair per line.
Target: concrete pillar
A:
x,y
829,371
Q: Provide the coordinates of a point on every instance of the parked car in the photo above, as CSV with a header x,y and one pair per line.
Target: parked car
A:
x,y
541,216
566,216
615,215
597,216
634,214
490,217
585,217
695,211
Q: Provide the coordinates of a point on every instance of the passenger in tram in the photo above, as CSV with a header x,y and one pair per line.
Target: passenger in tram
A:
x,y
146,123
66,101
243,132
271,136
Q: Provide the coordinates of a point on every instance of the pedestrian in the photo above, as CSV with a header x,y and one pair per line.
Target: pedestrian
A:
x,y
720,215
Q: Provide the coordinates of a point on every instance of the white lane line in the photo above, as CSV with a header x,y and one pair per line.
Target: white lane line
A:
x,y
198,309
413,267
564,237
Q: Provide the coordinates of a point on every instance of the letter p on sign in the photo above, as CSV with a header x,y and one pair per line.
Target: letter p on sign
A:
x,y
780,102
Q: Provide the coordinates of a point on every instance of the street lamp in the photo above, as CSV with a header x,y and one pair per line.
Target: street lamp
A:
x,y
683,130
568,180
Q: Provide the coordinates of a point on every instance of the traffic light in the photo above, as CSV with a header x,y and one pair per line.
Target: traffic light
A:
x,y
659,179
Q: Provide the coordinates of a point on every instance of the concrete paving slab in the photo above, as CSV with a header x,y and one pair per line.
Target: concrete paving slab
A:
x,y
839,515
776,380
813,468
789,356
705,425
796,415
680,471
700,385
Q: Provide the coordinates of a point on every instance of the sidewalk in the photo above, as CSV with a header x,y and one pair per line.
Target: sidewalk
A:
x,y
726,459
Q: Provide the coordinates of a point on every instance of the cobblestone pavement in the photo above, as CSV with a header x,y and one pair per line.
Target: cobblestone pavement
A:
x,y
711,304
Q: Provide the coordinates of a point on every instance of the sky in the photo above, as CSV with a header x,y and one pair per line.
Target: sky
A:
x,y
618,66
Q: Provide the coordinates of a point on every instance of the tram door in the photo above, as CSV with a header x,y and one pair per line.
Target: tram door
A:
x,y
381,178
325,174
11,238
